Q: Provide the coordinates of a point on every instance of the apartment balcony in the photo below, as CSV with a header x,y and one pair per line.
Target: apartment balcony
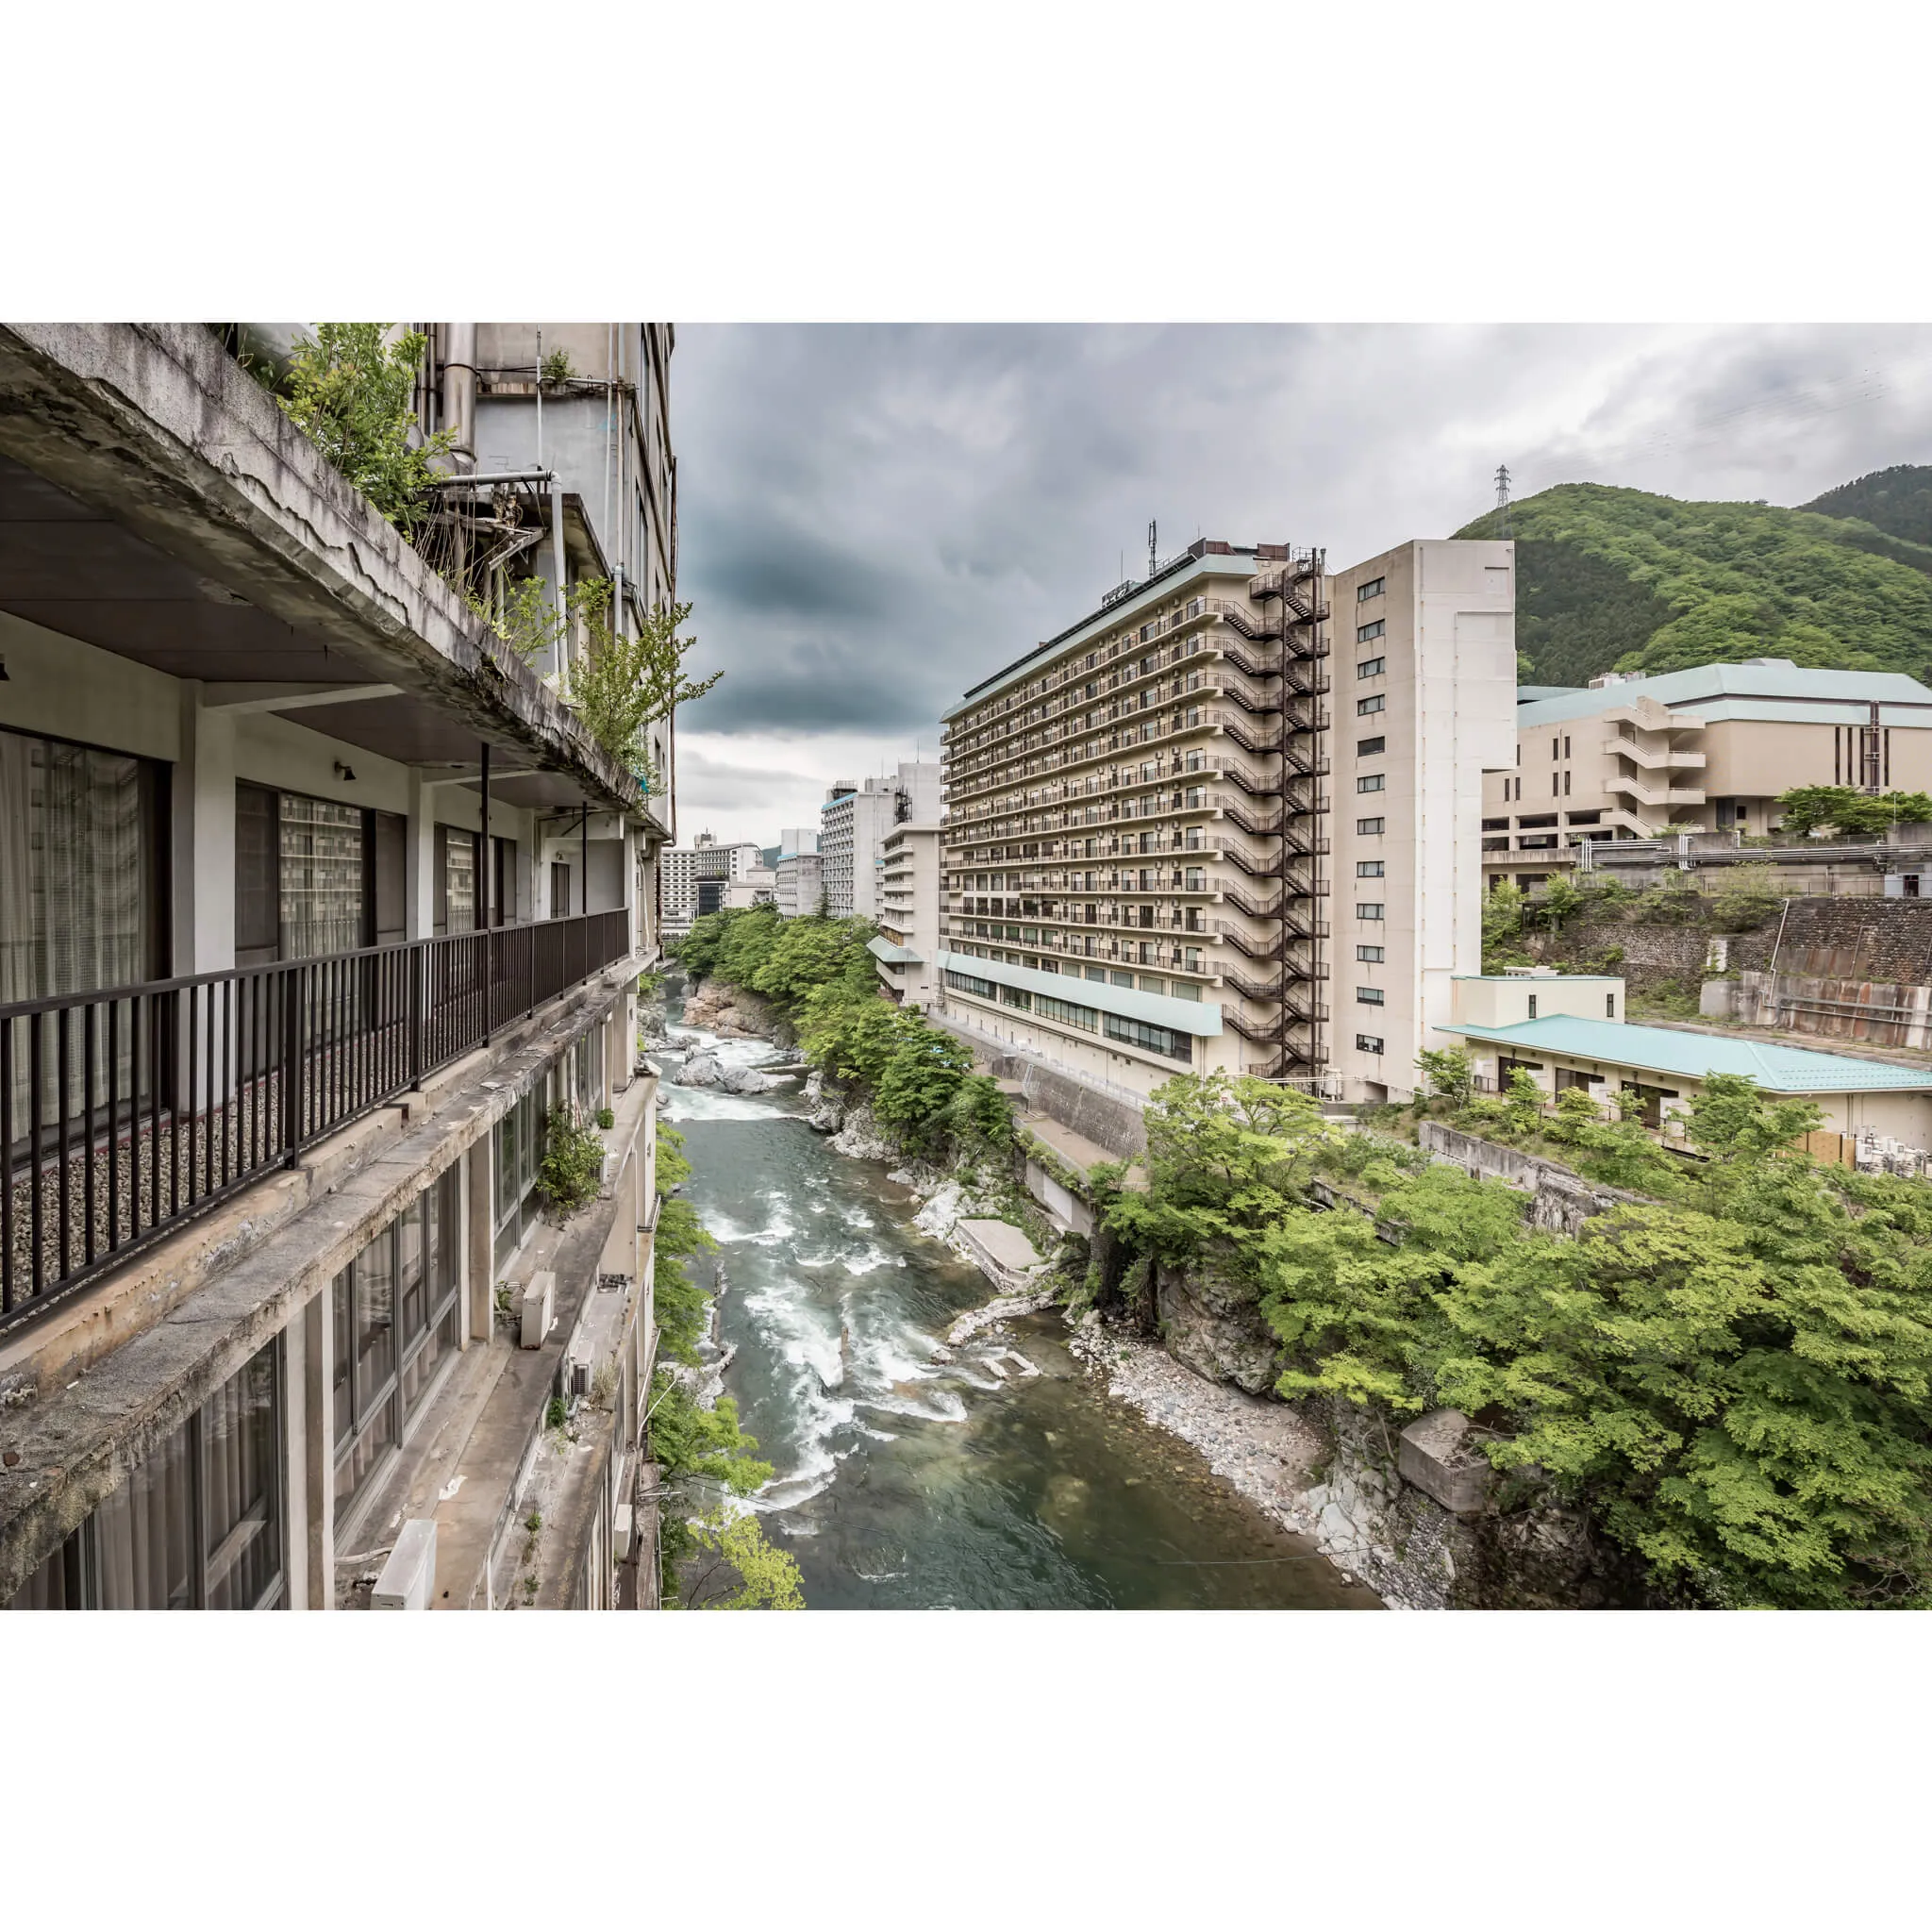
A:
x,y
1663,757
1659,797
126,1113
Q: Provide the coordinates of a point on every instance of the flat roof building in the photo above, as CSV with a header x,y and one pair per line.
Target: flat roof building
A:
x,y
1708,749
1228,820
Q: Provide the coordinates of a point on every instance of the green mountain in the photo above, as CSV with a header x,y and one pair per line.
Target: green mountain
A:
x,y
1615,579
1897,501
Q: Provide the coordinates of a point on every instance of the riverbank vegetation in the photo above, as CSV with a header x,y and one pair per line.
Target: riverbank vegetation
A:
x,y
701,1451
1733,1377
816,972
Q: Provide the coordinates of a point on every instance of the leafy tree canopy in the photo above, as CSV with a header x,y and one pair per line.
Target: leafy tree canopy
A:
x,y
1808,809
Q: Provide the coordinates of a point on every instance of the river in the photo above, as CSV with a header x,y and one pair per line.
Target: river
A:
x,y
903,1483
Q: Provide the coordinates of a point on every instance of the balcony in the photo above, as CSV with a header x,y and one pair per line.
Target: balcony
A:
x,y
126,1113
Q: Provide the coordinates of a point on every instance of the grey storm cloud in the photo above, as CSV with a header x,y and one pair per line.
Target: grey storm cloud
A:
x,y
874,518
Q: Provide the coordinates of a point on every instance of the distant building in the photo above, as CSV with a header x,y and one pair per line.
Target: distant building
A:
x,y
907,946
853,822
697,877
797,885
1227,820
1704,750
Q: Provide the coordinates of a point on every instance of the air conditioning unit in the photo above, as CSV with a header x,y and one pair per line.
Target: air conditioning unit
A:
x,y
540,1307
576,1366
408,1579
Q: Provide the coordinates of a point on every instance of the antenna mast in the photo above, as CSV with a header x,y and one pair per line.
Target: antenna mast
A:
x,y
1150,548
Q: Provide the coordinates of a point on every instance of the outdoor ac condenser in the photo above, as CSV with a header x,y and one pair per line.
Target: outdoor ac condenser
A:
x,y
408,1579
540,1307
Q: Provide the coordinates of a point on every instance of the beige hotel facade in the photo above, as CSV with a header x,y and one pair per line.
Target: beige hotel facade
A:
x,y
1229,819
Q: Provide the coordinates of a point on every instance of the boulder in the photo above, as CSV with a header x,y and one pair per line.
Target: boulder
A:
x,y
1438,1457
1211,1324
700,1069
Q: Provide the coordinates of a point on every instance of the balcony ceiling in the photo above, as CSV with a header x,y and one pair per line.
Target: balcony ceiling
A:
x,y
72,570
155,503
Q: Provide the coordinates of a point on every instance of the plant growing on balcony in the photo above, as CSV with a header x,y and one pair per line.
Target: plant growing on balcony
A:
x,y
573,1161
351,392
556,369
620,686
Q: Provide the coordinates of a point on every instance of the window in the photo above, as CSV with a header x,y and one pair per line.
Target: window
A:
x,y
1370,781
1369,996
1371,667
1553,786
1609,1006
969,982
455,879
1367,633
1566,744
1495,825
1368,1043
1370,828
1369,956
82,870
397,1319
1556,747
1370,748
1371,589
1160,1040
198,1526
1566,784
1368,908
1016,996
1368,868
1367,707
1532,1005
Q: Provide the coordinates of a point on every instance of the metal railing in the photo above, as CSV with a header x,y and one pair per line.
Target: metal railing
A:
x,y
126,1111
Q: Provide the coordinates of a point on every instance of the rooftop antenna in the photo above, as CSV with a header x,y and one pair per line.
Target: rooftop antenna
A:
x,y
1503,496
1150,549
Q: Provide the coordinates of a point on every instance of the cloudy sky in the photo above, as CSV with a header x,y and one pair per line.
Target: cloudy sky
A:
x,y
873,519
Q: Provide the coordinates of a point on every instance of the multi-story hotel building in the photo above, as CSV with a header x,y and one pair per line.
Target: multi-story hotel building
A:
x,y
911,862
1710,749
316,905
1228,820
855,818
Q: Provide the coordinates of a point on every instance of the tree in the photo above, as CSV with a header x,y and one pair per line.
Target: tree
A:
x,y
1561,900
1748,898
352,392
1227,1155
1449,1072
1522,1101
731,1566
621,684
1503,926
1808,809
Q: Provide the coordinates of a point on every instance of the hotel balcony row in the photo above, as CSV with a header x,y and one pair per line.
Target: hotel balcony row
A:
x,y
316,907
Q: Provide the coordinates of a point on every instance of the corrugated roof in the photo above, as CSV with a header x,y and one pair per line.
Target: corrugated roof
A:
x,y
1663,1050
1736,685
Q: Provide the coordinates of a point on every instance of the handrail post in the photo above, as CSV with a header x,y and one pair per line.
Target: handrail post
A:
x,y
293,1071
419,1003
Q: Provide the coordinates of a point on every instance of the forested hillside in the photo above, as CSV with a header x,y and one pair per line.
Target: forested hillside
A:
x,y
1620,579
1897,501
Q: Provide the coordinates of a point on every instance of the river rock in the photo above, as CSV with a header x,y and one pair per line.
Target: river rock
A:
x,y
1213,1324
861,1136
736,1079
700,1069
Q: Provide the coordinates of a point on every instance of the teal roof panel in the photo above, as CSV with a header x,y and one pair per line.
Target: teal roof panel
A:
x,y
1696,1055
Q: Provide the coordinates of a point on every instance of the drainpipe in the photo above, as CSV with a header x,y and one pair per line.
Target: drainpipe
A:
x,y
459,392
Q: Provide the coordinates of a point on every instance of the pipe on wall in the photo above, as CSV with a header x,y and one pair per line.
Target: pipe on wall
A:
x,y
459,392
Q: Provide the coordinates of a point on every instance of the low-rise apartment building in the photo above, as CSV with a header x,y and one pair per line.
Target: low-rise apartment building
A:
x,y
1228,820
1709,749
798,889
852,823
911,863
292,990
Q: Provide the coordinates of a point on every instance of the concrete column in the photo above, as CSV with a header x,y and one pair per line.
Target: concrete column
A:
x,y
420,861
295,1461
482,1268
203,835
318,1431
465,1269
